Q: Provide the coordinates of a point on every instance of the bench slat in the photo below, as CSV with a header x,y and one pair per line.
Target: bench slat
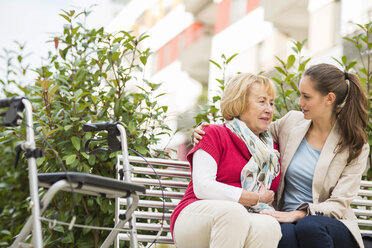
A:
x,y
151,204
364,222
159,161
365,183
167,194
149,215
362,231
362,212
147,238
362,202
162,172
155,182
365,192
149,226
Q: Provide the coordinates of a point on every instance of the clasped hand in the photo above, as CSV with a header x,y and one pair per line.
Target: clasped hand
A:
x,y
265,195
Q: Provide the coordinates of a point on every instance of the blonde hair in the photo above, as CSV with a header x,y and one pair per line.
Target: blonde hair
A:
x,y
234,98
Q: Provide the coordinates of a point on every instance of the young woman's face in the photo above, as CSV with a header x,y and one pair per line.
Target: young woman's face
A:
x,y
312,102
259,111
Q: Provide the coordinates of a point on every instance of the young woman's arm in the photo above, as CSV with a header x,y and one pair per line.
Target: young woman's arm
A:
x,y
344,192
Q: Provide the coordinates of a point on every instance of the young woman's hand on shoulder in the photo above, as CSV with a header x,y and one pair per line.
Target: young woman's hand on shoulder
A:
x,y
198,132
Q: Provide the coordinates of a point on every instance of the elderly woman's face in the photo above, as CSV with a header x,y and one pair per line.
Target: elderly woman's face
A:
x,y
259,112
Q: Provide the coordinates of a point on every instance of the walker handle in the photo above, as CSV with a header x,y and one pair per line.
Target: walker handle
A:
x,y
5,103
107,126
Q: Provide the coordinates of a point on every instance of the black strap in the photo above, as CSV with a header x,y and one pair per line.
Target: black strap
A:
x,y
35,153
121,174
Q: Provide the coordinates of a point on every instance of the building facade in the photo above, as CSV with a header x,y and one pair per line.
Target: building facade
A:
x,y
185,34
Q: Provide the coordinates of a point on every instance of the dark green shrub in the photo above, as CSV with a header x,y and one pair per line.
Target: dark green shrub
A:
x,y
91,76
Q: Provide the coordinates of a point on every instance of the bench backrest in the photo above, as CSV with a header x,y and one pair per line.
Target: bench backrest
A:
x,y
362,207
174,177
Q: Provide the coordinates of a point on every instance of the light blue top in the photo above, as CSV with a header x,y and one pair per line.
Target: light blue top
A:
x,y
299,176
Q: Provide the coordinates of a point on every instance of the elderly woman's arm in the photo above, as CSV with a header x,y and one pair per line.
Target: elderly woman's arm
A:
x,y
206,187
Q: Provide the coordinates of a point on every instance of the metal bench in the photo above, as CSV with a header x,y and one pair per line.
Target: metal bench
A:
x,y
147,219
362,207
175,176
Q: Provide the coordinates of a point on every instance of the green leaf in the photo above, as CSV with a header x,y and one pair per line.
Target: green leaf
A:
x,y
115,56
279,69
344,60
351,65
229,59
295,50
40,161
90,202
143,60
277,80
92,159
339,62
364,71
99,201
5,232
65,17
129,46
161,94
70,159
348,39
51,92
118,39
215,64
85,155
69,238
302,66
281,61
75,142
59,228
216,98
142,37
94,99
290,61
141,149
67,127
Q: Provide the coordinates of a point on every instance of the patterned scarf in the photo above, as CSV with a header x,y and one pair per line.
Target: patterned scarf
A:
x,y
263,165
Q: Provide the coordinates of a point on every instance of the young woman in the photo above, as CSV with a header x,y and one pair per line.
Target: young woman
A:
x,y
323,152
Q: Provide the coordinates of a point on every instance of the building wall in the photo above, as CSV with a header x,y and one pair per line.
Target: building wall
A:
x,y
184,34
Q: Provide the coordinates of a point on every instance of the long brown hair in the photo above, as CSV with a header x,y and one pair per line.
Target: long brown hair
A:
x,y
350,105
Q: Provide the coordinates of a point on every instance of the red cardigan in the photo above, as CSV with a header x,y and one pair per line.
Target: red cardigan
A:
x,y
231,155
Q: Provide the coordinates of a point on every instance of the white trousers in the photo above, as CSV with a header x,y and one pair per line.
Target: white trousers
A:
x,y
225,224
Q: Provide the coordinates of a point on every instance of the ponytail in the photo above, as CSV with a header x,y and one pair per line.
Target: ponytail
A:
x,y
353,119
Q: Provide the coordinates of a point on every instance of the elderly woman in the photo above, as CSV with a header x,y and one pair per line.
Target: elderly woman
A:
x,y
233,168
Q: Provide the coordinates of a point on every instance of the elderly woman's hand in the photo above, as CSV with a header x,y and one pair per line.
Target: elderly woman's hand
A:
x,y
198,132
249,198
265,195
